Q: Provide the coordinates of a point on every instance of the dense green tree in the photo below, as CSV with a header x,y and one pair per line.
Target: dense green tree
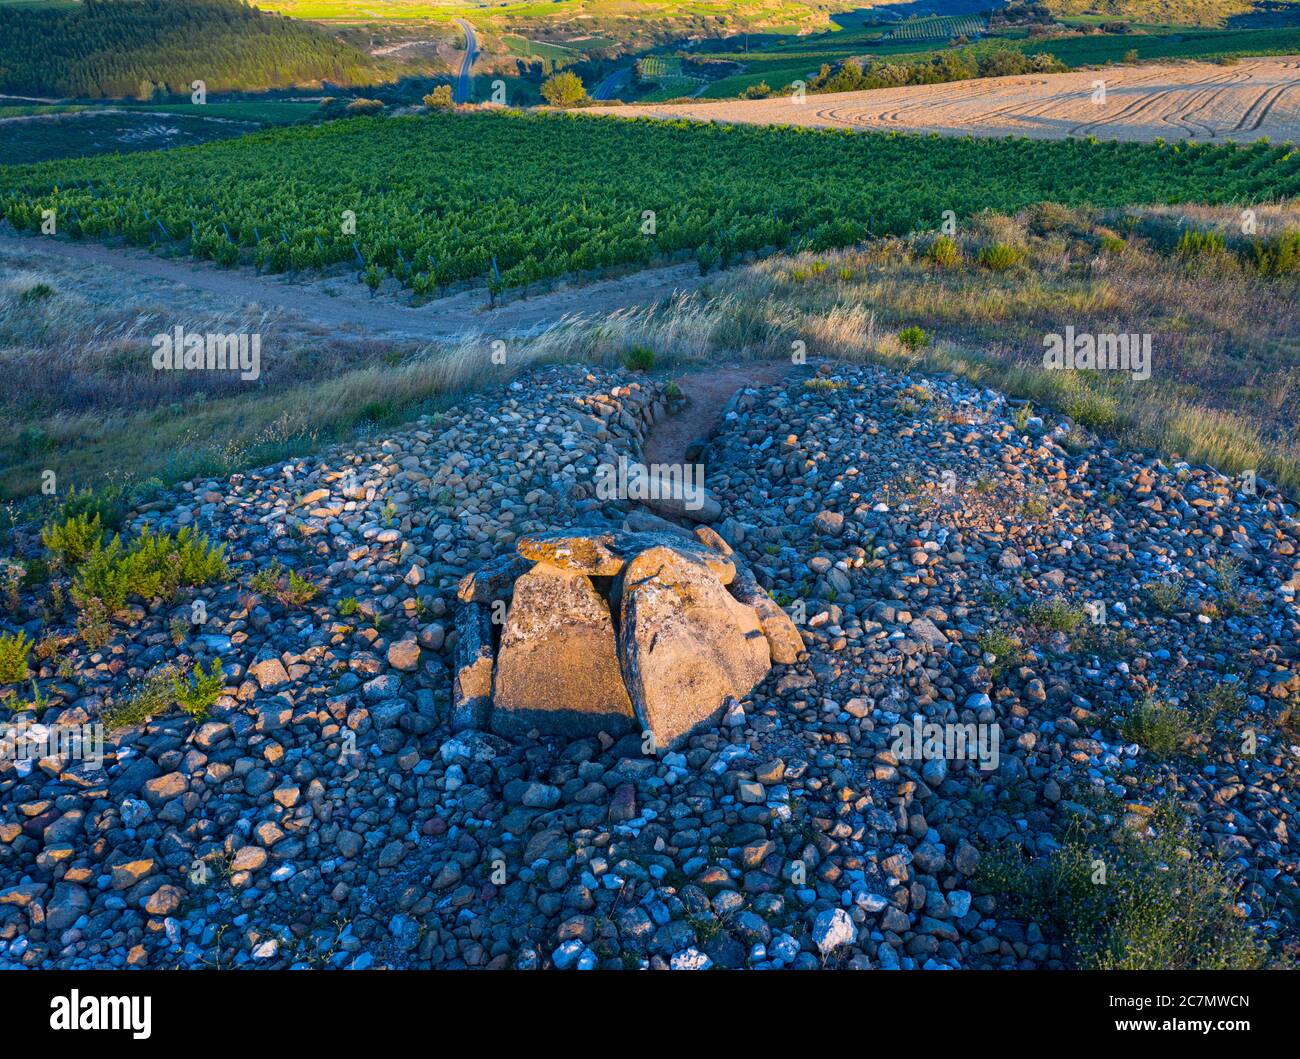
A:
x,y
115,48
564,90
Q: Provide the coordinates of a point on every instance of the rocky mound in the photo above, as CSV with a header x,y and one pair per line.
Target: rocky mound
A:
x,y
940,549
606,631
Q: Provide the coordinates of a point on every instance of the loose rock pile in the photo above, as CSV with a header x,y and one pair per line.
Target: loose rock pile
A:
x,y
606,631
335,810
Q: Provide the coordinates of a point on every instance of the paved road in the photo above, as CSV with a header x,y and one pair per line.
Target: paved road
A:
x,y
465,83
613,84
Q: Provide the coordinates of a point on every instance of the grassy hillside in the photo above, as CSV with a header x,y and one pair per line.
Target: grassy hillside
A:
x,y
82,393
1175,12
143,48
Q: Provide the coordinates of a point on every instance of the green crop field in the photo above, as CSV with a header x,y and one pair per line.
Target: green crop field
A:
x,y
1183,44
938,28
509,199
671,88
538,48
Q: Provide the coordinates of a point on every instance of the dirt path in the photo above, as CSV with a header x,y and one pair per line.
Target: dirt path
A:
x,y
345,305
707,393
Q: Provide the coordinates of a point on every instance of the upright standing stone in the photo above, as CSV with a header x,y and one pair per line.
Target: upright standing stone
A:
x,y
686,646
783,639
557,668
471,702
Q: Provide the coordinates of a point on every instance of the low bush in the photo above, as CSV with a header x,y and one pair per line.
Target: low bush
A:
x,y
70,538
14,648
639,358
154,565
913,338
1280,255
196,693
945,252
1159,728
1129,901
1001,257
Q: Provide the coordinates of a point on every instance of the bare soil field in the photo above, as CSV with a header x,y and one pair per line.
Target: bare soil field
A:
x,y
1197,101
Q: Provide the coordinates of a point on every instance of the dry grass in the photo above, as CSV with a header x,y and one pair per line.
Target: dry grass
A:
x,y
1225,385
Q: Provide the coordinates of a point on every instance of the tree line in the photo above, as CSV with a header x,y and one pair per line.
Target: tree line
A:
x,y
156,48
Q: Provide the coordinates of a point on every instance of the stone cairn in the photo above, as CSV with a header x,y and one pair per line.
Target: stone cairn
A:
x,y
611,631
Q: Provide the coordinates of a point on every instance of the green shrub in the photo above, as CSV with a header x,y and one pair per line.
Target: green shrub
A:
x,y
69,539
196,693
1220,699
439,98
945,252
110,503
1279,256
154,565
1167,596
104,575
267,580
38,703
38,292
564,89
1000,257
639,358
93,622
348,606
1056,614
297,590
1003,645
1129,902
1161,729
289,587
14,648
152,698
187,559
913,338
1196,243
1087,406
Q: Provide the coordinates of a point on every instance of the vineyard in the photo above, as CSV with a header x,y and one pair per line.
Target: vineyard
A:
x,y
658,67
509,199
940,28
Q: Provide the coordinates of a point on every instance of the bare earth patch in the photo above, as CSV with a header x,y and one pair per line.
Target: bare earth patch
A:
x,y
1198,101
340,304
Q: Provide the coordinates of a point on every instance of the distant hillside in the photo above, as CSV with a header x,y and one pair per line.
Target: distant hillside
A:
x,y
1179,12
139,48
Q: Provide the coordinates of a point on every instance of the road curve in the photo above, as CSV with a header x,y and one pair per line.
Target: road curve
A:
x,y
613,84
465,83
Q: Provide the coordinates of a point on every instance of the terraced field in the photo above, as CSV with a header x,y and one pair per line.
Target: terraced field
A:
x,y
1198,101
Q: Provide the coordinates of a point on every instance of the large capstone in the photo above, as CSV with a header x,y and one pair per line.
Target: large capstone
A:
x,y
685,644
586,553
557,666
